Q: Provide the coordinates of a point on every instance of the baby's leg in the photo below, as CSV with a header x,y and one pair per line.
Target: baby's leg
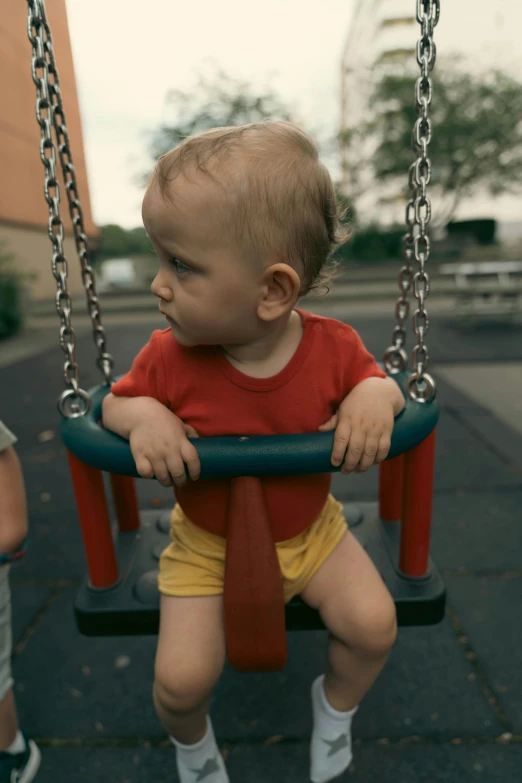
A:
x,y
189,661
360,615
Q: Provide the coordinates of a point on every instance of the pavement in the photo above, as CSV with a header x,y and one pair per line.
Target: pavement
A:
x,y
448,706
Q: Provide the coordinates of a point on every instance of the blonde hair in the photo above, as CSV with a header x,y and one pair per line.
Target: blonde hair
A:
x,y
283,197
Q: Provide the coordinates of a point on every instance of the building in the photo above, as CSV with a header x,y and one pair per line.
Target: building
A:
x,y
383,34
23,210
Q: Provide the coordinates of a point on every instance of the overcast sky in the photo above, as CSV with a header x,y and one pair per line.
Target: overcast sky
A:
x,y
128,55
125,66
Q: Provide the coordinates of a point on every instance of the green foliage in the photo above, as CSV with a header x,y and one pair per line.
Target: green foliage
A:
x,y
373,244
10,307
477,132
118,242
10,295
217,101
480,231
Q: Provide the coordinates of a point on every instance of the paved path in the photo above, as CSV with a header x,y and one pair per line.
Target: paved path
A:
x,y
448,706
497,386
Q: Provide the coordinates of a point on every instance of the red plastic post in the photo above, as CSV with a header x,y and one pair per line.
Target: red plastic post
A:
x,y
419,465
253,593
391,474
125,502
95,523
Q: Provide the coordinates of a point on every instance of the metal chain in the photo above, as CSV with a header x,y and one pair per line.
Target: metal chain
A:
x,y
416,243
74,401
49,112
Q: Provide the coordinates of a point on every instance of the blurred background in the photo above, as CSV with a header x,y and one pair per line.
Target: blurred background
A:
x,y
134,85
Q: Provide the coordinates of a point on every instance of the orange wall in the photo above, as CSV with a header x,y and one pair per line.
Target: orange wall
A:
x,y
21,191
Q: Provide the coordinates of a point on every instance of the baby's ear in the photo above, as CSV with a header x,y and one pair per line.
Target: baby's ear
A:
x,y
280,291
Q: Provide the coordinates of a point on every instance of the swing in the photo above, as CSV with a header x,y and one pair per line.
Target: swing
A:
x,y
121,594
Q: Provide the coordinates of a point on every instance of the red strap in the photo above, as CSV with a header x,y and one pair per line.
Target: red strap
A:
x,y
253,591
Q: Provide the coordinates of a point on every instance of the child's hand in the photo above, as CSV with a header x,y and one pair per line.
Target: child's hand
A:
x,y
364,424
161,448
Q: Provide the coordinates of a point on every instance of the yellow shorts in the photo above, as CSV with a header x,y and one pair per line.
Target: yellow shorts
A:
x,y
194,563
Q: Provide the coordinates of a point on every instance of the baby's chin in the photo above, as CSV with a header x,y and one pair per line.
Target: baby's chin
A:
x,y
190,340
182,338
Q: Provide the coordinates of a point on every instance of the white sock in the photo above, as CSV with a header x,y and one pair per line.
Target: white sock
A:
x,y
18,745
331,745
201,761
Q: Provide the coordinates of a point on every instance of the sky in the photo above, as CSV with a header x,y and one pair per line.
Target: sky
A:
x,y
126,65
126,61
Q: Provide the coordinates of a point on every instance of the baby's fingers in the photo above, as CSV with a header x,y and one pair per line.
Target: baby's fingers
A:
x,y
355,451
144,467
176,470
384,448
369,454
162,473
341,441
190,456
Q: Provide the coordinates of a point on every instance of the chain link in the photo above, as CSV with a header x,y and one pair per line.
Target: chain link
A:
x,y
416,242
50,113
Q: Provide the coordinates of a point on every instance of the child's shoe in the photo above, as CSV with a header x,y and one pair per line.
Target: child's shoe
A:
x,y
20,767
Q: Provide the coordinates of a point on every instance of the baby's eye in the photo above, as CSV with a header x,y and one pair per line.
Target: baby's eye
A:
x,y
179,266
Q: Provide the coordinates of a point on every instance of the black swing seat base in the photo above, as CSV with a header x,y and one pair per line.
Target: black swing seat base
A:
x,y
131,607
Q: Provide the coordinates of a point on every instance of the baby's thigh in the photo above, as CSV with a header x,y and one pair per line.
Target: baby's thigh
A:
x,y
353,601
191,647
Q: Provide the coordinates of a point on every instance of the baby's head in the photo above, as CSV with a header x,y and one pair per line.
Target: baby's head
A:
x,y
254,205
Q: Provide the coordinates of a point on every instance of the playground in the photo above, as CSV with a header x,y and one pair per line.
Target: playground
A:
x,y
448,704
440,519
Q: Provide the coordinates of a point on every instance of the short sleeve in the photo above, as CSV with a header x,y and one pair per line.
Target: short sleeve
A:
x,y
146,377
359,362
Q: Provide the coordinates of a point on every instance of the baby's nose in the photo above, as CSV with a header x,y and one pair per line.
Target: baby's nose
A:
x,y
161,291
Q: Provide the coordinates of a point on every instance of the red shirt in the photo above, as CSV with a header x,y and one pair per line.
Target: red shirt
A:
x,y
203,389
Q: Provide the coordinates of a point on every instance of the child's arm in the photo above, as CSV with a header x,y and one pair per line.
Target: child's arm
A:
x,y
121,414
13,503
157,437
364,424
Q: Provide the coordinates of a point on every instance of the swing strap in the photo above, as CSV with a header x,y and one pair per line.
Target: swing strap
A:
x,y
253,592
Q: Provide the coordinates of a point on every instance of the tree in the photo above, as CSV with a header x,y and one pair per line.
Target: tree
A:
x,y
217,101
118,242
476,142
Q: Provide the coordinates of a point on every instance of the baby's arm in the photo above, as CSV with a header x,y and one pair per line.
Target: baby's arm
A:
x,y
121,414
13,504
157,437
387,390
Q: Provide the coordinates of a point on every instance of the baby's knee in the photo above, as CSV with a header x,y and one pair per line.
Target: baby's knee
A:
x,y
375,631
181,691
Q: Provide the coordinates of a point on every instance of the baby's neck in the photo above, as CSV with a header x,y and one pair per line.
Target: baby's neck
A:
x,y
269,355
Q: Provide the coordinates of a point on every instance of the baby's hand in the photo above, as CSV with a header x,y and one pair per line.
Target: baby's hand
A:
x,y
364,424
161,448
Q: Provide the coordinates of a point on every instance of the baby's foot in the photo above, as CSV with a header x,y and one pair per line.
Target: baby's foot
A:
x,y
201,761
331,745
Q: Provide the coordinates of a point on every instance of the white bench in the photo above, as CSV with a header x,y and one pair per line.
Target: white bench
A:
x,y
486,289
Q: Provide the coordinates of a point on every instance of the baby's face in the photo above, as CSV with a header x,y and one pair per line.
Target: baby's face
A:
x,y
206,288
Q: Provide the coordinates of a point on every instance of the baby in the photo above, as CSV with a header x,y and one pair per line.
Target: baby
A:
x,y
244,221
